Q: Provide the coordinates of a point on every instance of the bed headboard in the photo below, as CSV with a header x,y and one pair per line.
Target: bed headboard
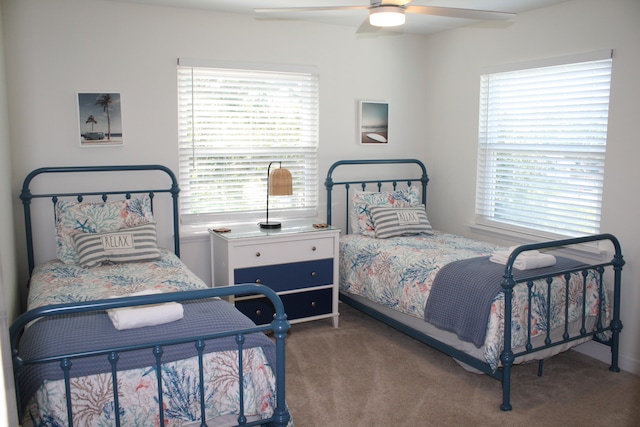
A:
x,y
121,185
414,171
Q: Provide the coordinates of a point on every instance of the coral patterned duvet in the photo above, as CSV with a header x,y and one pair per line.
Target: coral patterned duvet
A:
x,y
56,283
399,272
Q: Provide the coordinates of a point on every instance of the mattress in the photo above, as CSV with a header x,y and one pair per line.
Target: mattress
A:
x,y
55,283
398,274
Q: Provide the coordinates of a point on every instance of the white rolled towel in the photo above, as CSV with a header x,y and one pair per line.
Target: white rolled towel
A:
x,y
145,315
527,260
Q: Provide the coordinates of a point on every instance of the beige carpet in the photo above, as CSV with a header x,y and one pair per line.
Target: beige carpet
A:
x,y
367,374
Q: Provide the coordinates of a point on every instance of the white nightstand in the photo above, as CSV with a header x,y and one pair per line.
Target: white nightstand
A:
x,y
299,262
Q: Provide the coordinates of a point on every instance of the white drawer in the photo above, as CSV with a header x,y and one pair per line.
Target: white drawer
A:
x,y
267,253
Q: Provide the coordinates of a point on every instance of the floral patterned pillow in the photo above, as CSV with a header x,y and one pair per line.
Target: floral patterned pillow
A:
x,y
73,218
362,202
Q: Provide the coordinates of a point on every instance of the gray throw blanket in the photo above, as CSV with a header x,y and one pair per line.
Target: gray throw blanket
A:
x,y
94,331
462,293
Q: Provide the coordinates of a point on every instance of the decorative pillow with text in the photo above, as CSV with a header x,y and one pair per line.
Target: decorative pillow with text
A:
x,y
400,221
125,245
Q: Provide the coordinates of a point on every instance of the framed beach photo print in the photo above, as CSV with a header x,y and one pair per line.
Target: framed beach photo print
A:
x,y
373,127
100,119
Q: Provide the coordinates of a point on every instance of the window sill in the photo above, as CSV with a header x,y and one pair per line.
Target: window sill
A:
x,y
192,233
592,252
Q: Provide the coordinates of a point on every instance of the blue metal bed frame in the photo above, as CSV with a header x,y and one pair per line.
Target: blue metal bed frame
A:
x,y
27,196
508,356
279,326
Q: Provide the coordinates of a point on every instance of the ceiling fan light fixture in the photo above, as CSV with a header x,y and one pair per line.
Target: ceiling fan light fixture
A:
x,y
386,16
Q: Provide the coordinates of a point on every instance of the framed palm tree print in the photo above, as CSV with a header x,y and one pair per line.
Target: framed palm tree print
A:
x,y
100,119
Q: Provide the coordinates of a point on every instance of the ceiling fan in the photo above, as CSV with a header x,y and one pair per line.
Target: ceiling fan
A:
x,y
391,13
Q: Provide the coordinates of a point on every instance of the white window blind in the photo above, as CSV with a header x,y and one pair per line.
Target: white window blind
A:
x,y
232,123
542,145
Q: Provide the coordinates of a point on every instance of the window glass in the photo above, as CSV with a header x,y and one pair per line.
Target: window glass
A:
x,y
542,146
232,123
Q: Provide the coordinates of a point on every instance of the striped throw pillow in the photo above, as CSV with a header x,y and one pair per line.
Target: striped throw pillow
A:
x,y
363,201
400,221
125,245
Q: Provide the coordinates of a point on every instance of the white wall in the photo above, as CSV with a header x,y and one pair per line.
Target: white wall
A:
x,y
56,48
454,61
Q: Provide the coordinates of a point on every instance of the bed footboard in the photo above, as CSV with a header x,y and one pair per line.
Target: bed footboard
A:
x,y
278,329
607,334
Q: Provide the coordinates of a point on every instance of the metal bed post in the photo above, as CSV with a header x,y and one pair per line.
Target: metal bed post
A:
x,y
328,184
26,197
176,226
280,326
616,323
507,358
242,419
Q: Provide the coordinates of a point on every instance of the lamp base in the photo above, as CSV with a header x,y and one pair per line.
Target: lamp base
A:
x,y
270,224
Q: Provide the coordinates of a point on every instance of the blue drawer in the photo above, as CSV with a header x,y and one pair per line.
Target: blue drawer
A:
x,y
284,277
298,305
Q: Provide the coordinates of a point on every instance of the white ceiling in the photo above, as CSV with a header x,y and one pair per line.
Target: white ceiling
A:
x,y
415,24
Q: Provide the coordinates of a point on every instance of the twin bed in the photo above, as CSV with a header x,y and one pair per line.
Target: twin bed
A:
x,y
124,328
489,307
83,337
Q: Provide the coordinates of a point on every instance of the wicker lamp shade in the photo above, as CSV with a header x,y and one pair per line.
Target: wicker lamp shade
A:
x,y
279,183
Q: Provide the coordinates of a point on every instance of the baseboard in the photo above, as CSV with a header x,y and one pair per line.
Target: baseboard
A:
x,y
603,353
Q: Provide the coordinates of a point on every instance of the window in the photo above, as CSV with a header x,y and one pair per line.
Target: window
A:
x,y
234,121
542,145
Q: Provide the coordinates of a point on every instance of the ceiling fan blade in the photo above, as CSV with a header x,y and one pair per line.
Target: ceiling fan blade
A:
x,y
308,9
367,28
451,12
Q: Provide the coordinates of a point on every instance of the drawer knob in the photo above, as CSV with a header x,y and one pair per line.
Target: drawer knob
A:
x,y
257,253
258,312
258,281
313,248
313,304
314,274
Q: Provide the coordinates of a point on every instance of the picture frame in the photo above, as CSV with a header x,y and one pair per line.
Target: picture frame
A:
x,y
100,119
373,124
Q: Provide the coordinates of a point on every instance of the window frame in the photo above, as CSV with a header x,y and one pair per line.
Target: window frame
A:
x,y
296,146
484,217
